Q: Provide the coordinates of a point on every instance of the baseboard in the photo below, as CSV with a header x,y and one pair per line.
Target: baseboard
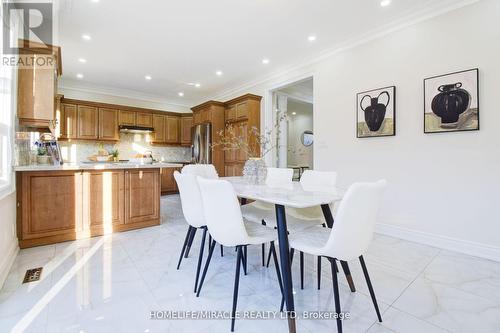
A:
x,y
7,262
443,242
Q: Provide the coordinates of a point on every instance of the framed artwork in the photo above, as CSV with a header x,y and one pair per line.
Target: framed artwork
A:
x,y
452,102
376,112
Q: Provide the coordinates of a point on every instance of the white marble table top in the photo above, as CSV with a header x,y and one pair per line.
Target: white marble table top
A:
x,y
292,194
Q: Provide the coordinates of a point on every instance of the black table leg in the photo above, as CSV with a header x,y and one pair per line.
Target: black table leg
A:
x,y
327,213
286,270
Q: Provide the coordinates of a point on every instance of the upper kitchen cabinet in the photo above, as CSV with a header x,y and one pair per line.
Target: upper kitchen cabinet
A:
x,y
172,125
68,121
144,119
37,85
88,126
186,126
126,118
159,128
108,124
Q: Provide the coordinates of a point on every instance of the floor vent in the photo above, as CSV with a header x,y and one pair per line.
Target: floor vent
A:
x,y
33,275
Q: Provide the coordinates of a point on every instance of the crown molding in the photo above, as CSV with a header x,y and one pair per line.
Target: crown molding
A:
x,y
404,22
121,93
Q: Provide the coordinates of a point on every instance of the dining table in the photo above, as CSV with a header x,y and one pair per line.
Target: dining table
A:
x,y
294,195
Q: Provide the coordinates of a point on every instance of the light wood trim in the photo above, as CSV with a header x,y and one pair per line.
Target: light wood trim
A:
x,y
206,105
243,98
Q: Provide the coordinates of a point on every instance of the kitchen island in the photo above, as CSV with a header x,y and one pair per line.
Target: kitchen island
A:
x,y
74,201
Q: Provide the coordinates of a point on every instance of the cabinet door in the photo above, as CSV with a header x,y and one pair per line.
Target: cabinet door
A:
x,y
168,183
159,127
144,119
230,113
186,125
172,129
68,121
242,131
103,200
50,203
197,117
87,122
242,110
206,115
126,118
142,195
108,124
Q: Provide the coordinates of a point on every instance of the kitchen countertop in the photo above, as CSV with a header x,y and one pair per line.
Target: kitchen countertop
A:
x,y
96,166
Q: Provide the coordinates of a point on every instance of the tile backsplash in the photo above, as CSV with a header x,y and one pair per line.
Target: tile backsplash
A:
x,y
128,146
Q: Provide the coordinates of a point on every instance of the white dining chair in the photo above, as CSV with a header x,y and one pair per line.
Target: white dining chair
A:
x,y
226,225
349,237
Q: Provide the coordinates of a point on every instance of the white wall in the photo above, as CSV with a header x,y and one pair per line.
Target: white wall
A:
x,y
442,187
298,154
8,239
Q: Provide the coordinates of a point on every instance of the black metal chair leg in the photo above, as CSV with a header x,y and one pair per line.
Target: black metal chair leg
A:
x,y
236,285
319,272
263,249
200,257
210,252
222,251
370,287
184,246
268,259
348,276
190,242
272,249
336,294
245,260
301,270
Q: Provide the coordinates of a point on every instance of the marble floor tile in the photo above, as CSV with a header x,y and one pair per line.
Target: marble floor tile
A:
x,y
112,283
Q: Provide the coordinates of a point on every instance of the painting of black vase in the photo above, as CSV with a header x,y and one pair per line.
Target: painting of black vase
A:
x,y
376,112
452,102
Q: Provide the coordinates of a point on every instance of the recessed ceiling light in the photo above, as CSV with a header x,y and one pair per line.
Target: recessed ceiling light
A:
x,y
385,3
311,38
265,61
79,75
181,94
86,37
197,85
147,77
82,60
294,113
96,1
218,73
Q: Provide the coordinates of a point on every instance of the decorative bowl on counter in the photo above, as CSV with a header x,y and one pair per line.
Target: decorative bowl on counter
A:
x,y
141,160
43,159
102,158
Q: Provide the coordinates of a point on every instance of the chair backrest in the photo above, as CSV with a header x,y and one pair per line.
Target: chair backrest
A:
x,y
313,178
276,176
190,199
202,170
354,223
222,212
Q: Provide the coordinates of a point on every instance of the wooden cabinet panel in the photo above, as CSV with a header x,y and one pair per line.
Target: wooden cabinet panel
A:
x,y
206,115
50,204
144,119
230,113
108,124
168,183
126,118
68,121
103,199
159,127
35,94
186,126
142,195
196,117
242,132
242,110
87,122
172,129
233,170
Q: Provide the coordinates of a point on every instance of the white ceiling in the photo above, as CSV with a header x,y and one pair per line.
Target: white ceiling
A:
x,y
183,41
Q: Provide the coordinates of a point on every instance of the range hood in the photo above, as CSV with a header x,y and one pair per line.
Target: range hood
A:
x,y
135,129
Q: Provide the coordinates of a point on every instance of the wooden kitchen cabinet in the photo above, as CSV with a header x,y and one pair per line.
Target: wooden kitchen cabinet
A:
x,y
234,170
159,128
48,207
87,122
242,110
144,119
172,124
68,122
142,195
168,183
126,118
103,200
108,124
186,127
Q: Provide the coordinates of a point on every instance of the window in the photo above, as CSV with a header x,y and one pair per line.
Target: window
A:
x,y
7,103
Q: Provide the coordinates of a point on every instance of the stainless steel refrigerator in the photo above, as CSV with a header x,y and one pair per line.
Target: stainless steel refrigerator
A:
x,y
201,143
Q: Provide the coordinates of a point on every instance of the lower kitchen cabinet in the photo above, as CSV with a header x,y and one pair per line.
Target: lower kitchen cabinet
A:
x,y
168,183
142,195
56,206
